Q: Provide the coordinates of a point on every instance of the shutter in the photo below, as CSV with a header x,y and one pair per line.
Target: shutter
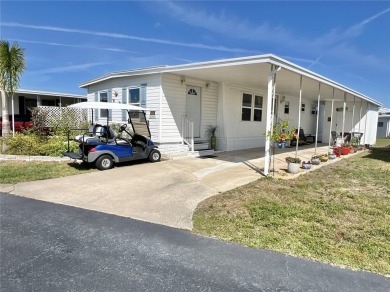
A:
x,y
124,101
142,97
96,110
109,99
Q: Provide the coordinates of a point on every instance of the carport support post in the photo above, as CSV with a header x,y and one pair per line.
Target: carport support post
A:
x,y
318,116
331,121
269,120
344,105
299,115
353,118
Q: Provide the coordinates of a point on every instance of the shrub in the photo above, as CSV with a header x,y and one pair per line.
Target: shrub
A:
x,y
34,144
293,160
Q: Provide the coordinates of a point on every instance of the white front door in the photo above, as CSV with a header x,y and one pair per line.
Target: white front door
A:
x,y
193,108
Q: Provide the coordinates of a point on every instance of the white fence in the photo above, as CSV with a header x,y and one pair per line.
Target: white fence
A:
x,y
52,116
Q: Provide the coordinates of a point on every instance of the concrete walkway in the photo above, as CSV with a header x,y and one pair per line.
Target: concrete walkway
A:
x,y
166,192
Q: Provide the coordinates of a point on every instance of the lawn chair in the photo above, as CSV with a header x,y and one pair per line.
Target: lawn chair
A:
x,y
336,138
301,138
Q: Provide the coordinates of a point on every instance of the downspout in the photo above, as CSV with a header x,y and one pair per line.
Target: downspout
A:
x,y
299,116
318,116
269,120
344,105
331,120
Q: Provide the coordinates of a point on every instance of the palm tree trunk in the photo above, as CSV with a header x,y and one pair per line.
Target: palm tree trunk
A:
x,y
5,127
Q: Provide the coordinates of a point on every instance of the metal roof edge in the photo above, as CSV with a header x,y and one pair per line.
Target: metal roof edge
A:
x,y
265,58
308,73
40,92
124,73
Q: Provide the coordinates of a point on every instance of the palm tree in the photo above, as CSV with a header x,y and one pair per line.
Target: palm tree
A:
x,y
12,64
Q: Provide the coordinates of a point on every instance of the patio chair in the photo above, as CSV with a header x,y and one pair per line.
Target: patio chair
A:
x,y
301,138
335,136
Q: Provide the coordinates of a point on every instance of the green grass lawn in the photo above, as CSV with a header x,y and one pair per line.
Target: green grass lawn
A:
x,y
21,171
338,214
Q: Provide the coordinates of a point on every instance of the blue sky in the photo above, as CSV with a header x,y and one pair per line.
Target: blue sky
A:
x,y
69,42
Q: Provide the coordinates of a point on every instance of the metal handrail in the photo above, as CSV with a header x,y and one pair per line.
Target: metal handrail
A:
x,y
187,132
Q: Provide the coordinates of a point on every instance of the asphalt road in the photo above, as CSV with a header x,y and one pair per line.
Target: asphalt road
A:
x,y
49,247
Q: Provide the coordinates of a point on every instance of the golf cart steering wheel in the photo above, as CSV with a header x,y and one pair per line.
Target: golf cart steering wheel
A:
x,y
123,127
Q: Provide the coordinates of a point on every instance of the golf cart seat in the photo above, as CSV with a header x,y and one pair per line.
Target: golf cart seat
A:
x,y
95,132
139,140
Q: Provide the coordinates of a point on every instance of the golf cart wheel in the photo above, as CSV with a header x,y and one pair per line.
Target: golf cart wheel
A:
x,y
104,162
154,156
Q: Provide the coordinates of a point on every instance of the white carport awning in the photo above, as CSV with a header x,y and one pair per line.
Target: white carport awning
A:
x,y
252,72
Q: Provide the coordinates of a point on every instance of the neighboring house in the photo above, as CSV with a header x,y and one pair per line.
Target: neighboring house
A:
x,y
236,95
383,130
25,99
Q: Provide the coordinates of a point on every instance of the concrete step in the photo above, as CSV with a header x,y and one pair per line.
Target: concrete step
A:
x,y
202,153
201,146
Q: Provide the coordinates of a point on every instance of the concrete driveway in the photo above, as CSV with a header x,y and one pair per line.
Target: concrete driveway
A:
x,y
165,193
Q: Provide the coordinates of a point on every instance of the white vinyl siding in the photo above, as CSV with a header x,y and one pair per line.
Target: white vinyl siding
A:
x,y
174,105
118,84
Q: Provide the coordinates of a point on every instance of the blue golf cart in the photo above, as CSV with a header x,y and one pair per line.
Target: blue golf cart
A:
x,y
100,146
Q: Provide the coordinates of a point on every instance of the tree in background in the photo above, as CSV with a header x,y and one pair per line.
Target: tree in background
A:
x,y
12,65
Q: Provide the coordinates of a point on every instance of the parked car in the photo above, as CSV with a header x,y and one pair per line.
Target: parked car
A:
x,y
21,123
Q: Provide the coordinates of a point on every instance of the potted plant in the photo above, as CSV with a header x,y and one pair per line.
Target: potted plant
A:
x,y
332,155
324,158
345,149
281,133
306,165
293,164
315,160
210,131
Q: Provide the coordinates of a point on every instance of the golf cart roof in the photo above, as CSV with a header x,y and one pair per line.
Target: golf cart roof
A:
x,y
107,105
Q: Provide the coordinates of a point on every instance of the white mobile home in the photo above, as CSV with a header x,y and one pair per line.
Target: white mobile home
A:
x,y
383,130
24,99
237,96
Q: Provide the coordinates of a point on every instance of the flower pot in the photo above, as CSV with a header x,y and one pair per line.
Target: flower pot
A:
x,y
345,150
324,158
293,167
213,142
315,161
332,156
281,145
306,165
351,150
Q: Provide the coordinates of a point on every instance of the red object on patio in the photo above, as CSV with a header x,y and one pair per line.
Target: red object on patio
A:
x,y
345,150
337,151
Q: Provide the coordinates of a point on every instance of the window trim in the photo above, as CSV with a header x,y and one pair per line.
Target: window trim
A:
x,y
253,107
100,100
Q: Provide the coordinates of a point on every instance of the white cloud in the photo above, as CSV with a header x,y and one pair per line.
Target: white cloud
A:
x,y
228,24
125,36
74,46
70,68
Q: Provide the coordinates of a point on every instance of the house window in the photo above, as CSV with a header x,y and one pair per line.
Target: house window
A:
x,y
257,108
314,109
47,102
252,106
287,107
133,96
380,124
103,97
